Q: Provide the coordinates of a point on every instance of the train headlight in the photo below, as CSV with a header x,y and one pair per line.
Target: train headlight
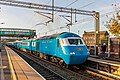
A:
x,y
88,53
72,53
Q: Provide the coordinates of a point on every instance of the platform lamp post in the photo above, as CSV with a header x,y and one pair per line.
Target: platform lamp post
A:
x,y
108,41
96,45
1,66
0,38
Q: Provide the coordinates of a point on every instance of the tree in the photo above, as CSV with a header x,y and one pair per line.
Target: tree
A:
x,y
114,25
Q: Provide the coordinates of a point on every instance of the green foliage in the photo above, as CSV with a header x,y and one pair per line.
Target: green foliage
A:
x,y
114,25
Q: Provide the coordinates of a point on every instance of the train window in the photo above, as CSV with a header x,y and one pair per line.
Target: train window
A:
x,y
25,43
75,41
33,44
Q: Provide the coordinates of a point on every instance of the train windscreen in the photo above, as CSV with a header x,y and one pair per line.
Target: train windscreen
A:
x,y
75,41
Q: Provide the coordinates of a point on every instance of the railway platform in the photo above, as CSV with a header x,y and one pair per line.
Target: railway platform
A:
x,y
4,65
108,62
13,67
106,67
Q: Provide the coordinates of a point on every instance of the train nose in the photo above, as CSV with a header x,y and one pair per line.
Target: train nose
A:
x,y
77,59
78,55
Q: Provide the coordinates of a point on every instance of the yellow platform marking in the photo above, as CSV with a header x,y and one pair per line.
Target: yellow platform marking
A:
x,y
13,76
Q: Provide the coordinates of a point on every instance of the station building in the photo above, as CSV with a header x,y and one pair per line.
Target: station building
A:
x,y
89,38
113,44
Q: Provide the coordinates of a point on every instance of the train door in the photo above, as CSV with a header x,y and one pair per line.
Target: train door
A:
x,y
31,45
58,46
37,46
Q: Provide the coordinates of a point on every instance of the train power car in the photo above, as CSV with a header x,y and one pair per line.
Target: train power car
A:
x,y
68,47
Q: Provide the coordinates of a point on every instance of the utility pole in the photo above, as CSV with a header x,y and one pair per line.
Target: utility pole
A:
x,y
71,17
97,32
75,16
52,10
70,24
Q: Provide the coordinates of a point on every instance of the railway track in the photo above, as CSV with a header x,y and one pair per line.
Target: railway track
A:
x,y
106,67
64,74
41,69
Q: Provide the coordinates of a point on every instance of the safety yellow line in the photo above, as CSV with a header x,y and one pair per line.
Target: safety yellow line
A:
x,y
13,76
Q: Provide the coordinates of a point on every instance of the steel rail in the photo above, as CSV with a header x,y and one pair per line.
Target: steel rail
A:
x,y
70,74
46,72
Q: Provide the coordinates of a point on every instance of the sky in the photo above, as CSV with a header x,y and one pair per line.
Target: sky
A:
x,y
16,17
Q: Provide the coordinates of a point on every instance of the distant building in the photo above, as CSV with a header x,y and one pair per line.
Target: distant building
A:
x,y
89,38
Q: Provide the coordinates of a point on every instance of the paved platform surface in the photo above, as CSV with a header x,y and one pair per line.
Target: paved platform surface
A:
x,y
20,70
4,65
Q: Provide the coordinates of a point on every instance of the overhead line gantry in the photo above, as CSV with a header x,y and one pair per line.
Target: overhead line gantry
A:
x,y
45,7
57,9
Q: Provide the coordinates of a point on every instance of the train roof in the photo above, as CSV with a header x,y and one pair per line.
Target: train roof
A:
x,y
59,35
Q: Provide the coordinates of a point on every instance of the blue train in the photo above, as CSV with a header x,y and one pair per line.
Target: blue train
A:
x,y
67,47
